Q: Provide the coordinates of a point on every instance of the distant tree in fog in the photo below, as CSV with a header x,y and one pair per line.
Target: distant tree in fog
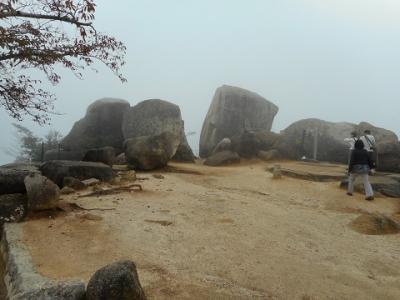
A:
x,y
41,34
29,146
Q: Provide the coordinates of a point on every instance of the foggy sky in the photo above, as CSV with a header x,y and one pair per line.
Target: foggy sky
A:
x,y
336,60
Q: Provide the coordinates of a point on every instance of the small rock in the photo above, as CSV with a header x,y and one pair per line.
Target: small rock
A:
x,y
117,281
74,183
91,217
90,182
158,176
66,190
129,176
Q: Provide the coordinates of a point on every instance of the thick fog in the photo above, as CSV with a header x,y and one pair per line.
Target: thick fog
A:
x,y
337,60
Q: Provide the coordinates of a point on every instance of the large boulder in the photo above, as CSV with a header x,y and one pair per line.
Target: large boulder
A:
x,y
12,180
234,110
56,170
184,153
105,155
42,192
100,127
117,281
222,158
153,117
298,140
56,154
151,152
13,207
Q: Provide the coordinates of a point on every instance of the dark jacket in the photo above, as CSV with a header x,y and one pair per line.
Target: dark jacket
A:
x,y
360,157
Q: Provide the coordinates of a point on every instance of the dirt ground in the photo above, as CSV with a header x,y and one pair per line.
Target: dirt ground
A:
x,y
226,233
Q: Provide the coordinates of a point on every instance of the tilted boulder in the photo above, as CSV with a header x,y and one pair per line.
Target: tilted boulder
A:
x,y
100,127
119,280
151,152
153,117
234,110
105,155
42,192
222,158
56,170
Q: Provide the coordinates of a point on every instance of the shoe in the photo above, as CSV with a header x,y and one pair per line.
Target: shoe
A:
x,y
349,194
369,198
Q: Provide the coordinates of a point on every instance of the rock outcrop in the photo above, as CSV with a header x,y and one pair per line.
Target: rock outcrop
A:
x,y
151,152
55,154
119,280
42,192
100,127
154,117
234,110
58,169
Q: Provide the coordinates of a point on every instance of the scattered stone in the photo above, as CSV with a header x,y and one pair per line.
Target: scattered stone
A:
x,y
73,183
58,170
160,222
100,127
234,110
90,182
268,155
13,208
375,224
117,281
42,192
66,190
222,158
151,152
158,176
105,155
129,176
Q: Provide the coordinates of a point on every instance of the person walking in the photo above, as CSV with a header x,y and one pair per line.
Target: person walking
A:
x,y
370,145
360,164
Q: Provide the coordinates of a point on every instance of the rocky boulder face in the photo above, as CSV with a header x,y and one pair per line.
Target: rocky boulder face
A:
x,y
105,155
298,140
57,170
224,145
154,117
42,192
151,152
119,280
234,110
222,158
100,127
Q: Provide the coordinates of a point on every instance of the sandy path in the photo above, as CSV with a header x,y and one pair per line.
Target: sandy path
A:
x,y
235,233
